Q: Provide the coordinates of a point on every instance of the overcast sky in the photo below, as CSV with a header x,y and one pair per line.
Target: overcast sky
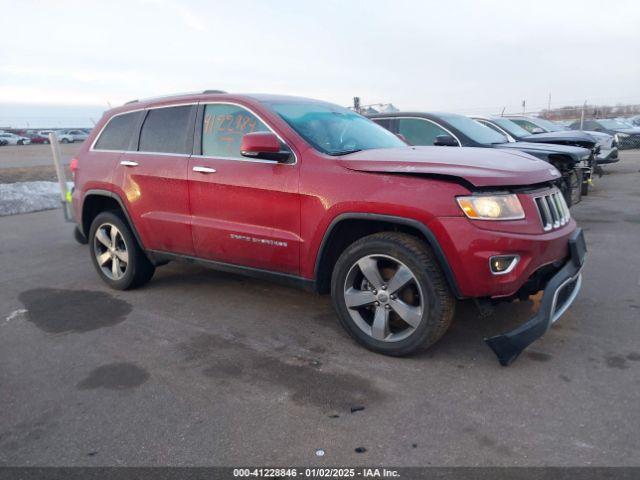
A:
x,y
466,56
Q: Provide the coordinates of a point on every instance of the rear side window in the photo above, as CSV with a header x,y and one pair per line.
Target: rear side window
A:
x,y
168,130
223,128
119,131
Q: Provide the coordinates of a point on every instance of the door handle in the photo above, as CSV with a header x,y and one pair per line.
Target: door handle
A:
x,y
204,170
129,163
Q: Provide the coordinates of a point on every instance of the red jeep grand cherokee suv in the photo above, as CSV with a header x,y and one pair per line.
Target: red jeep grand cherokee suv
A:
x,y
315,195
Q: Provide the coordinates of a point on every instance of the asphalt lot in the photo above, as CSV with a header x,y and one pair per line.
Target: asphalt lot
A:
x,y
206,368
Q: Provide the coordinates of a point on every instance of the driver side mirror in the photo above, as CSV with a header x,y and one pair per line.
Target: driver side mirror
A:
x,y
263,145
445,141
537,130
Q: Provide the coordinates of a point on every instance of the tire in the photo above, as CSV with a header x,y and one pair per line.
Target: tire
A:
x,y
584,188
135,271
20,142
64,140
427,296
79,237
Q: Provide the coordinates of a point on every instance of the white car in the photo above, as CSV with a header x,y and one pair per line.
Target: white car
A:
x,y
64,136
76,135
12,139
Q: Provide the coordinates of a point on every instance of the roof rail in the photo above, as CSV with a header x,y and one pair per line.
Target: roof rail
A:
x,y
131,101
214,91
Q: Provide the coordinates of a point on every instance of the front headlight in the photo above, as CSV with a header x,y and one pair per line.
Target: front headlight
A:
x,y
491,207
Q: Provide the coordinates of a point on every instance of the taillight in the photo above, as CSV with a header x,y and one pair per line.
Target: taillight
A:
x,y
73,166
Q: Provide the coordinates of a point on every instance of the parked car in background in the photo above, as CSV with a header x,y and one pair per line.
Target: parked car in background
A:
x,y
626,135
64,137
606,145
74,135
13,139
635,120
3,142
346,208
449,129
36,138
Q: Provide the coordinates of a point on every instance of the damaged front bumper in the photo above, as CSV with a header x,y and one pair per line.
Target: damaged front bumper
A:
x,y
559,294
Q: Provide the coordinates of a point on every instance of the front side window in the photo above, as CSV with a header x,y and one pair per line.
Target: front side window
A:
x,y
419,132
119,131
334,130
168,130
474,130
526,124
511,127
223,127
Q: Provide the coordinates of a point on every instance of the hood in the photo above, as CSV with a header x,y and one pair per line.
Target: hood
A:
x,y
482,167
597,135
536,149
568,137
629,131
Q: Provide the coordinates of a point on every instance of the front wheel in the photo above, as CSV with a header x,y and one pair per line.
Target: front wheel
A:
x,y
391,295
115,253
64,140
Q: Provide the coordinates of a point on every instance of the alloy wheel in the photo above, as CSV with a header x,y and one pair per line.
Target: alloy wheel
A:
x,y
111,251
384,298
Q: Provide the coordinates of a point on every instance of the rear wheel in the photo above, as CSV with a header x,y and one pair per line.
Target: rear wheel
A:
x,y
390,294
116,255
64,140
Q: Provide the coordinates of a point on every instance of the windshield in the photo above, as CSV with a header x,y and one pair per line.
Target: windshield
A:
x,y
474,130
335,130
510,127
613,124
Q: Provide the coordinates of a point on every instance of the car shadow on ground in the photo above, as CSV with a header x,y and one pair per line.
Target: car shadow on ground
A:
x,y
463,340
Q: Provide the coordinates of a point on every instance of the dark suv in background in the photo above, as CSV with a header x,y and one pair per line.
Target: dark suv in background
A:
x,y
452,130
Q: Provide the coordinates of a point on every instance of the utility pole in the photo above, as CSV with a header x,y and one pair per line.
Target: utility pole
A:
x,y
524,104
584,105
549,103
356,104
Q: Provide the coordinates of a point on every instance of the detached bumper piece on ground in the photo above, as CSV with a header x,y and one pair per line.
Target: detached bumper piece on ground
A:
x,y
558,296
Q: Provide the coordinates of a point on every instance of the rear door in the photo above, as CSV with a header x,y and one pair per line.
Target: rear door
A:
x,y
244,211
153,178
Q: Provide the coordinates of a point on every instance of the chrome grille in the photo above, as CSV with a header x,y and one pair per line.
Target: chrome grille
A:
x,y
553,210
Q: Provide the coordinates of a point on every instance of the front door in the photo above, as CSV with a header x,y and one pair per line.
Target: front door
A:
x,y
244,211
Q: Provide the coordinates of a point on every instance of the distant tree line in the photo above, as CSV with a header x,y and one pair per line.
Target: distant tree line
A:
x,y
590,111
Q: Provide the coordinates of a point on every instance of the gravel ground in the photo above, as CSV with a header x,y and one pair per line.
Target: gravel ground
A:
x,y
206,368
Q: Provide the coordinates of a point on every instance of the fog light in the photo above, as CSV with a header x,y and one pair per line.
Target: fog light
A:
x,y
502,264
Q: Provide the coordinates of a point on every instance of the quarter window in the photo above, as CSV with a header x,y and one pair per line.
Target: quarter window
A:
x,y
119,131
419,132
168,130
223,127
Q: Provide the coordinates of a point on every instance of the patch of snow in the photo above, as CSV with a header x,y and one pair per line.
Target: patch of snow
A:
x,y
15,314
25,197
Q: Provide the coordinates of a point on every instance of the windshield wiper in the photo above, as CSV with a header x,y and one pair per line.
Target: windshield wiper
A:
x,y
345,152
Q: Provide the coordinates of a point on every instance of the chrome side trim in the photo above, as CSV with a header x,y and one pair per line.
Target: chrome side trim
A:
x,y
243,159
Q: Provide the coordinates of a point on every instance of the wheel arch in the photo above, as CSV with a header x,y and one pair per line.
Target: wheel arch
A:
x,y
96,201
346,228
